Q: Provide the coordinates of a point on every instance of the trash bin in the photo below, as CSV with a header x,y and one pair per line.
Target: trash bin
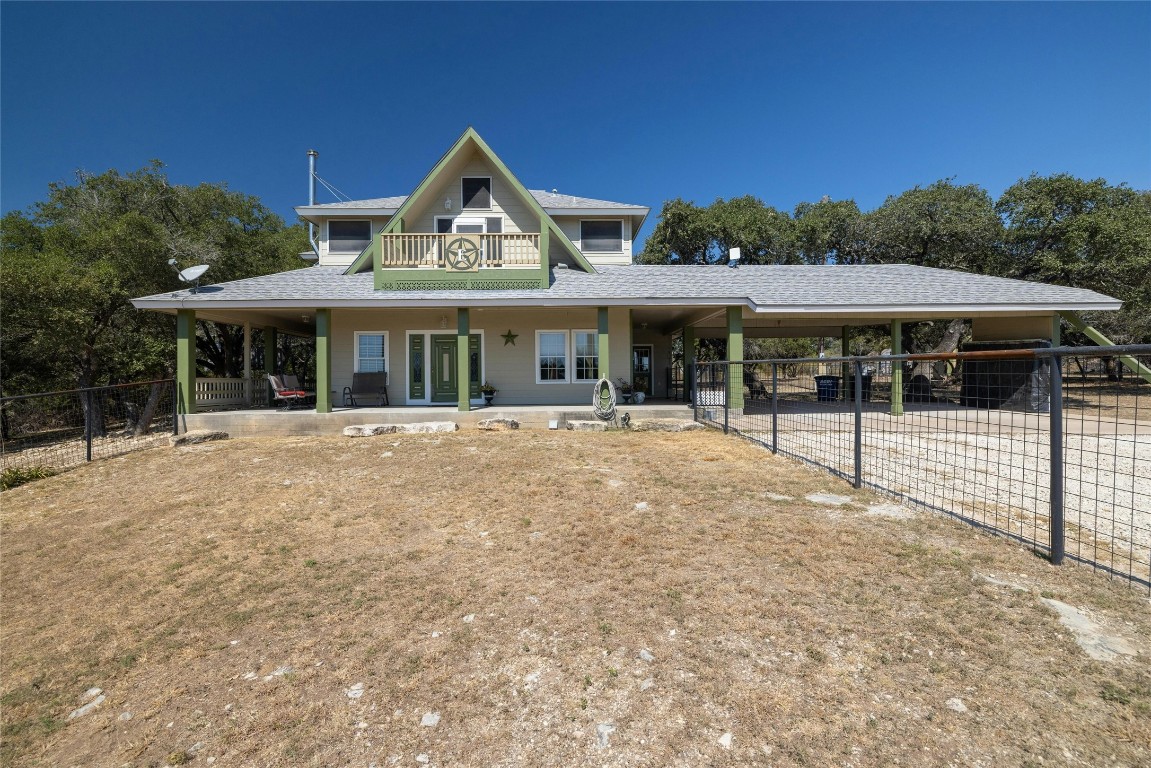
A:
x,y
827,388
849,395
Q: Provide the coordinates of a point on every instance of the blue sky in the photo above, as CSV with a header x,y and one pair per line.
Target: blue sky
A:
x,y
638,103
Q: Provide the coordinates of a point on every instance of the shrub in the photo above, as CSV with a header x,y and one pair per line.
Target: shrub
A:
x,y
14,476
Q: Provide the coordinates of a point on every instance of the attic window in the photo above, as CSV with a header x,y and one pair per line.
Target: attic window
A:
x,y
477,193
349,236
601,236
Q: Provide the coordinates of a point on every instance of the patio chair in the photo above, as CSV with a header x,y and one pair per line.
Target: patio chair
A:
x,y
371,388
286,390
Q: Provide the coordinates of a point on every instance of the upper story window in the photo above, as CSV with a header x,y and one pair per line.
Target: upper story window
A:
x,y
601,236
477,193
349,237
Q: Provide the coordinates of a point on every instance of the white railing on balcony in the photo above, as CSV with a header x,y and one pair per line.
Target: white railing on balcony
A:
x,y
427,250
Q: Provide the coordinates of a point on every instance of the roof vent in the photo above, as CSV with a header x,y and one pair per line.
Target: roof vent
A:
x,y
555,191
561,266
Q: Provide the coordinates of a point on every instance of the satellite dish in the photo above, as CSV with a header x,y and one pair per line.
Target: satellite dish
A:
x,y
191,274
733,257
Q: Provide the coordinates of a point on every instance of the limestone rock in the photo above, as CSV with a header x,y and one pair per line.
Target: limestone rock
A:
x,y
196,436
498,425
665,425
587,426
417,428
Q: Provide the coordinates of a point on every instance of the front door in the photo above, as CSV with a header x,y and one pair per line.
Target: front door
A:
x,y
443,367
641,368
444,389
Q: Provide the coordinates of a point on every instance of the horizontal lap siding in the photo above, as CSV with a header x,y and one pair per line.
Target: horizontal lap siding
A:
x,y
343,260
516,215
570,226
511,367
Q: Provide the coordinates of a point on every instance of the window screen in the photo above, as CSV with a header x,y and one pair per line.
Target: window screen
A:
x,y
477,192
349,236
601,236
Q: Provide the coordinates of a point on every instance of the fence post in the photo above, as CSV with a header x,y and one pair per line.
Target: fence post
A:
x,y
88,416
726,394
1056,438
774,407
858,369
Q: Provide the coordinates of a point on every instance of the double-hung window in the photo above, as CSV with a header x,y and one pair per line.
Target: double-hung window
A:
x,y
348,237
567,356
551,356
585,346
371,351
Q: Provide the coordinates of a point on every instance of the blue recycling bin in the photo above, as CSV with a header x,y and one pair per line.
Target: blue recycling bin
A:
x,y
827,388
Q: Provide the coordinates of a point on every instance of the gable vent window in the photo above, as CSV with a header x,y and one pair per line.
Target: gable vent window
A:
x,y
349,237
601,236
477,193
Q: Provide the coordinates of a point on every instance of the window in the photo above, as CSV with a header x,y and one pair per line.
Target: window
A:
x,y
597,236
349,236
586,355
477,193
551,356
371,351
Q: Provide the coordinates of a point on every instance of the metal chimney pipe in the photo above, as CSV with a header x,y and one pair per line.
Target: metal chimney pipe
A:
x,y
312,155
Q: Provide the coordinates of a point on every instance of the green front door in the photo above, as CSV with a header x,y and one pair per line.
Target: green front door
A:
x,y
443,368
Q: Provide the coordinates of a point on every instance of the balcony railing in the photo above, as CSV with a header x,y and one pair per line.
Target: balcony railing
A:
x,y
413,251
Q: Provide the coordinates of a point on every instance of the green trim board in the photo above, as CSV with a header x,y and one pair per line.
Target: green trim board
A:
x,y
1132,364
434,279
416,377
468,137
463,329
603,342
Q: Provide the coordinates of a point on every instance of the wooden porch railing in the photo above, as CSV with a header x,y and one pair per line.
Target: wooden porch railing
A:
x,y
219,393
427,250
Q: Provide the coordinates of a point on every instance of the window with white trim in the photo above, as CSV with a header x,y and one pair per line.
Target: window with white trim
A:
x,y
601,235
371,351
349,237
585,350
551,356
476,193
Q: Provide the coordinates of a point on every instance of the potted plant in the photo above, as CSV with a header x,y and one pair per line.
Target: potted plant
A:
x,y
624,387
489,391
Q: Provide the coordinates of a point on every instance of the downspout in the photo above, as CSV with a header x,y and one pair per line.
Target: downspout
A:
x,y
312,155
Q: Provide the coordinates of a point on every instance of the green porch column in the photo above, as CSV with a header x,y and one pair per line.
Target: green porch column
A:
x,y
323,361
603,338
735,352
897,368
688,362
185,361
463,374
270,344
845,368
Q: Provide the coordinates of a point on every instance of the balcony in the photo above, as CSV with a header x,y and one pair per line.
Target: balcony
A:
x,y
459,252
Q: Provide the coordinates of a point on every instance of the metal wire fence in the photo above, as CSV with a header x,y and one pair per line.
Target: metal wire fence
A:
x,y
1051,447
57,430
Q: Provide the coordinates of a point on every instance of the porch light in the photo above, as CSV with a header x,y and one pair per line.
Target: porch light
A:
x,y
443,321
447,203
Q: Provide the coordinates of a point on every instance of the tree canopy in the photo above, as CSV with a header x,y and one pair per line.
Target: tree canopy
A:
x,y
1055,229
71,264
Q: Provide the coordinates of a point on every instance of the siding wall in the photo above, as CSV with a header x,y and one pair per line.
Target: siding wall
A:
x,y
570,226
512,368
343,260
517,216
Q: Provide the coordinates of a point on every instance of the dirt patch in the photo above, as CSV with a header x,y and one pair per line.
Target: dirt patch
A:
x,y
536,598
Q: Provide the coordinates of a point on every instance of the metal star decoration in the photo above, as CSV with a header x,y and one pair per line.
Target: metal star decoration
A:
x,y
510,338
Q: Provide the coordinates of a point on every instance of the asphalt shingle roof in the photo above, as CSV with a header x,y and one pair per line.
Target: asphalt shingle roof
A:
x,y
766,287
545,199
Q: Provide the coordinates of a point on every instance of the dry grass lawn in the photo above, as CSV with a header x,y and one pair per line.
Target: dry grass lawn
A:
x,y
530,588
